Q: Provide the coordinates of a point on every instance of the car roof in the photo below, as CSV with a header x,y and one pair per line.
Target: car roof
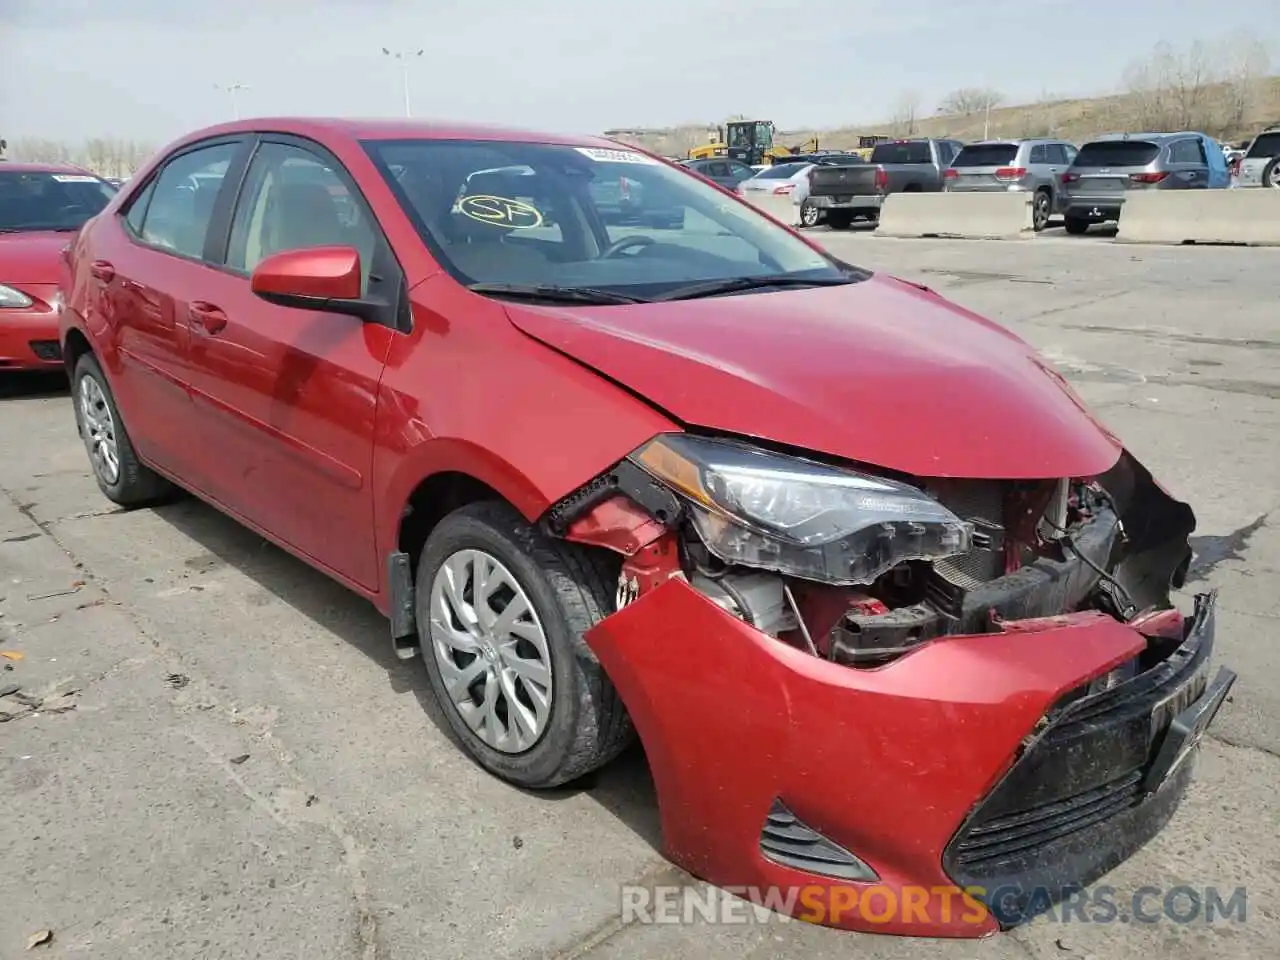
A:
x,y
1149,136
10,166
1009,141
392,129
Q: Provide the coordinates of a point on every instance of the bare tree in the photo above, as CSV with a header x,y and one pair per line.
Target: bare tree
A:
x,y
1209,87
105,156
1247,64
905,113
970,100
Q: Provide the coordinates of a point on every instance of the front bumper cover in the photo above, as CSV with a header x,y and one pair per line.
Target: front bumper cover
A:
x,y
930,771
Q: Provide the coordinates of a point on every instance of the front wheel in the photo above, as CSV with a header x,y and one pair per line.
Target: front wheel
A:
x,y
120,474
501,612
1041,209
1271,175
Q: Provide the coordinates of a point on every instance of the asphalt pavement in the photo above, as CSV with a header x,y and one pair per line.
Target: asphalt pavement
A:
x,y
217,756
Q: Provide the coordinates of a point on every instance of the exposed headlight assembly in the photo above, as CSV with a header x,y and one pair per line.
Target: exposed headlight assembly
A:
x,y
11,298
797,517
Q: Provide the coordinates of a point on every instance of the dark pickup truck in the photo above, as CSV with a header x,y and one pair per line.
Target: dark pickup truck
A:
x,y
842,193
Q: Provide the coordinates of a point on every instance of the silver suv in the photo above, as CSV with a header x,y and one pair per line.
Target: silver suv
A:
x,y
1093,190
1021,166
1260,166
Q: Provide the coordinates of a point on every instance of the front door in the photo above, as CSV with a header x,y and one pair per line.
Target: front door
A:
x,y
291,394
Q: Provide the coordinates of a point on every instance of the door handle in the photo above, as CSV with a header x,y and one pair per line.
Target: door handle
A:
x,y
102,270
209,318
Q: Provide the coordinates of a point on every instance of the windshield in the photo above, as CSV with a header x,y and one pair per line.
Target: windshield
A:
x,y
550,215
912,151
46,200
1117,153
781,172
986,155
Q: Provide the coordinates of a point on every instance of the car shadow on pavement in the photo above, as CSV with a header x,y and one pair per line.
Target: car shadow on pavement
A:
x,y
33,386
624,787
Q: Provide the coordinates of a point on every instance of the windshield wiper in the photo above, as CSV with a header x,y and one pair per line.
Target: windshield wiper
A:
x,y
711,288
554,294
38,228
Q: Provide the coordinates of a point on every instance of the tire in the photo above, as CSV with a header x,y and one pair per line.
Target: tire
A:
x,y
1041,210
1076,225
810,215
839,219
570,589
1271,174
131,484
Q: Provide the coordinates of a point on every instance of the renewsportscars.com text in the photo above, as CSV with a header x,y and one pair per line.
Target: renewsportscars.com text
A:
x,y
675,904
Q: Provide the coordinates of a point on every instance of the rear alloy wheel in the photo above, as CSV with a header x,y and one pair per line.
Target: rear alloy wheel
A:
x,y
1076,225
120,474
501,612
809,214
1041,209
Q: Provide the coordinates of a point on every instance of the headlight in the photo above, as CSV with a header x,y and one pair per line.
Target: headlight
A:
x,y
10,297
797,517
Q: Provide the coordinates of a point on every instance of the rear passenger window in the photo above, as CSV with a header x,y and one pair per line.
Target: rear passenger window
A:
x,y
138,209
1039,153
1058,154
181,204
1185,151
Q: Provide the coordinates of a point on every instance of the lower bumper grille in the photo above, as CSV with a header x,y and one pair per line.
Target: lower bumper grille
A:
x,y
1076,802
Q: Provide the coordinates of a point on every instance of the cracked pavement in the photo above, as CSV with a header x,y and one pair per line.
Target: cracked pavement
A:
x,y
229,762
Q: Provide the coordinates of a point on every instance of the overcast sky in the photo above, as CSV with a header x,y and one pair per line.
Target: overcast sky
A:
x,y
147,69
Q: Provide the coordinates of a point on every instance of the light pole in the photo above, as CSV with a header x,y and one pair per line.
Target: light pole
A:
x,y
404,57
233,89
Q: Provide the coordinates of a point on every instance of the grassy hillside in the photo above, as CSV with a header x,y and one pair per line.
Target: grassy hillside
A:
x,y
1076,120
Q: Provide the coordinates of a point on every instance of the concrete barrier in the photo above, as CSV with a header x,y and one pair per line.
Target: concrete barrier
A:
x,y
972,216
1248,217
778,207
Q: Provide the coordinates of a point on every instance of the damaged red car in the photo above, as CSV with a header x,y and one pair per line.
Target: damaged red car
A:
x,y
888,609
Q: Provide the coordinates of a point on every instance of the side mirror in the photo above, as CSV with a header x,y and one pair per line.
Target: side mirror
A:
x,y
318,278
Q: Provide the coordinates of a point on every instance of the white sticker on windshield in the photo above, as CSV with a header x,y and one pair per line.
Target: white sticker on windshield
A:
x,y
74,178
615,156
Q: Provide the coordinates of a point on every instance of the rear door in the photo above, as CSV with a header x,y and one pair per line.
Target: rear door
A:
x,y
287,396
1186,165
150,266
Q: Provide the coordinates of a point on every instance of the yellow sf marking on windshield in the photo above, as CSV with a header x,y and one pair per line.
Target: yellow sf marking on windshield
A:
x,y
501,211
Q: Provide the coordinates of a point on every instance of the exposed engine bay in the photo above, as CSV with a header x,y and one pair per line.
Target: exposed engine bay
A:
x,y
861,567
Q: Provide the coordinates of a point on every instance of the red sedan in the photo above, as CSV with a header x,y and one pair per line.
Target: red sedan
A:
x,y
888,608
41,206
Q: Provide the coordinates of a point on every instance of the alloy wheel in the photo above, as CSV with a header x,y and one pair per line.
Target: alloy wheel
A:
x,y
98,428
1040,211
491,651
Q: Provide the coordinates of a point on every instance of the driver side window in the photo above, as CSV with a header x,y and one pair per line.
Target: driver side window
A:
x,y
294,199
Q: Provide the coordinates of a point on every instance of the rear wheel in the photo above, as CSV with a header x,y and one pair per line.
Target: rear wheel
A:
x,y
809,214
501,611
839,219
1041,208
1076,225
120,474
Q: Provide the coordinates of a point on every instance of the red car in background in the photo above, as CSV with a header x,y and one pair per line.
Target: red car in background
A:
x,y
41,207
888,608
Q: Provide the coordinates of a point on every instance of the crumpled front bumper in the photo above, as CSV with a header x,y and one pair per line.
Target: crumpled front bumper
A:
x,y
903,766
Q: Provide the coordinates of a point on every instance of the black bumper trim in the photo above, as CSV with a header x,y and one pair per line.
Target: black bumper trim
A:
x,y
1098,781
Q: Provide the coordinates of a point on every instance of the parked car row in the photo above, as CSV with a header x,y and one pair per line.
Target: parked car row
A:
x,y
1084,185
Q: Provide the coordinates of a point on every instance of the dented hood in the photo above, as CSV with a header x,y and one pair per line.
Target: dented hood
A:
x,y
880,372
